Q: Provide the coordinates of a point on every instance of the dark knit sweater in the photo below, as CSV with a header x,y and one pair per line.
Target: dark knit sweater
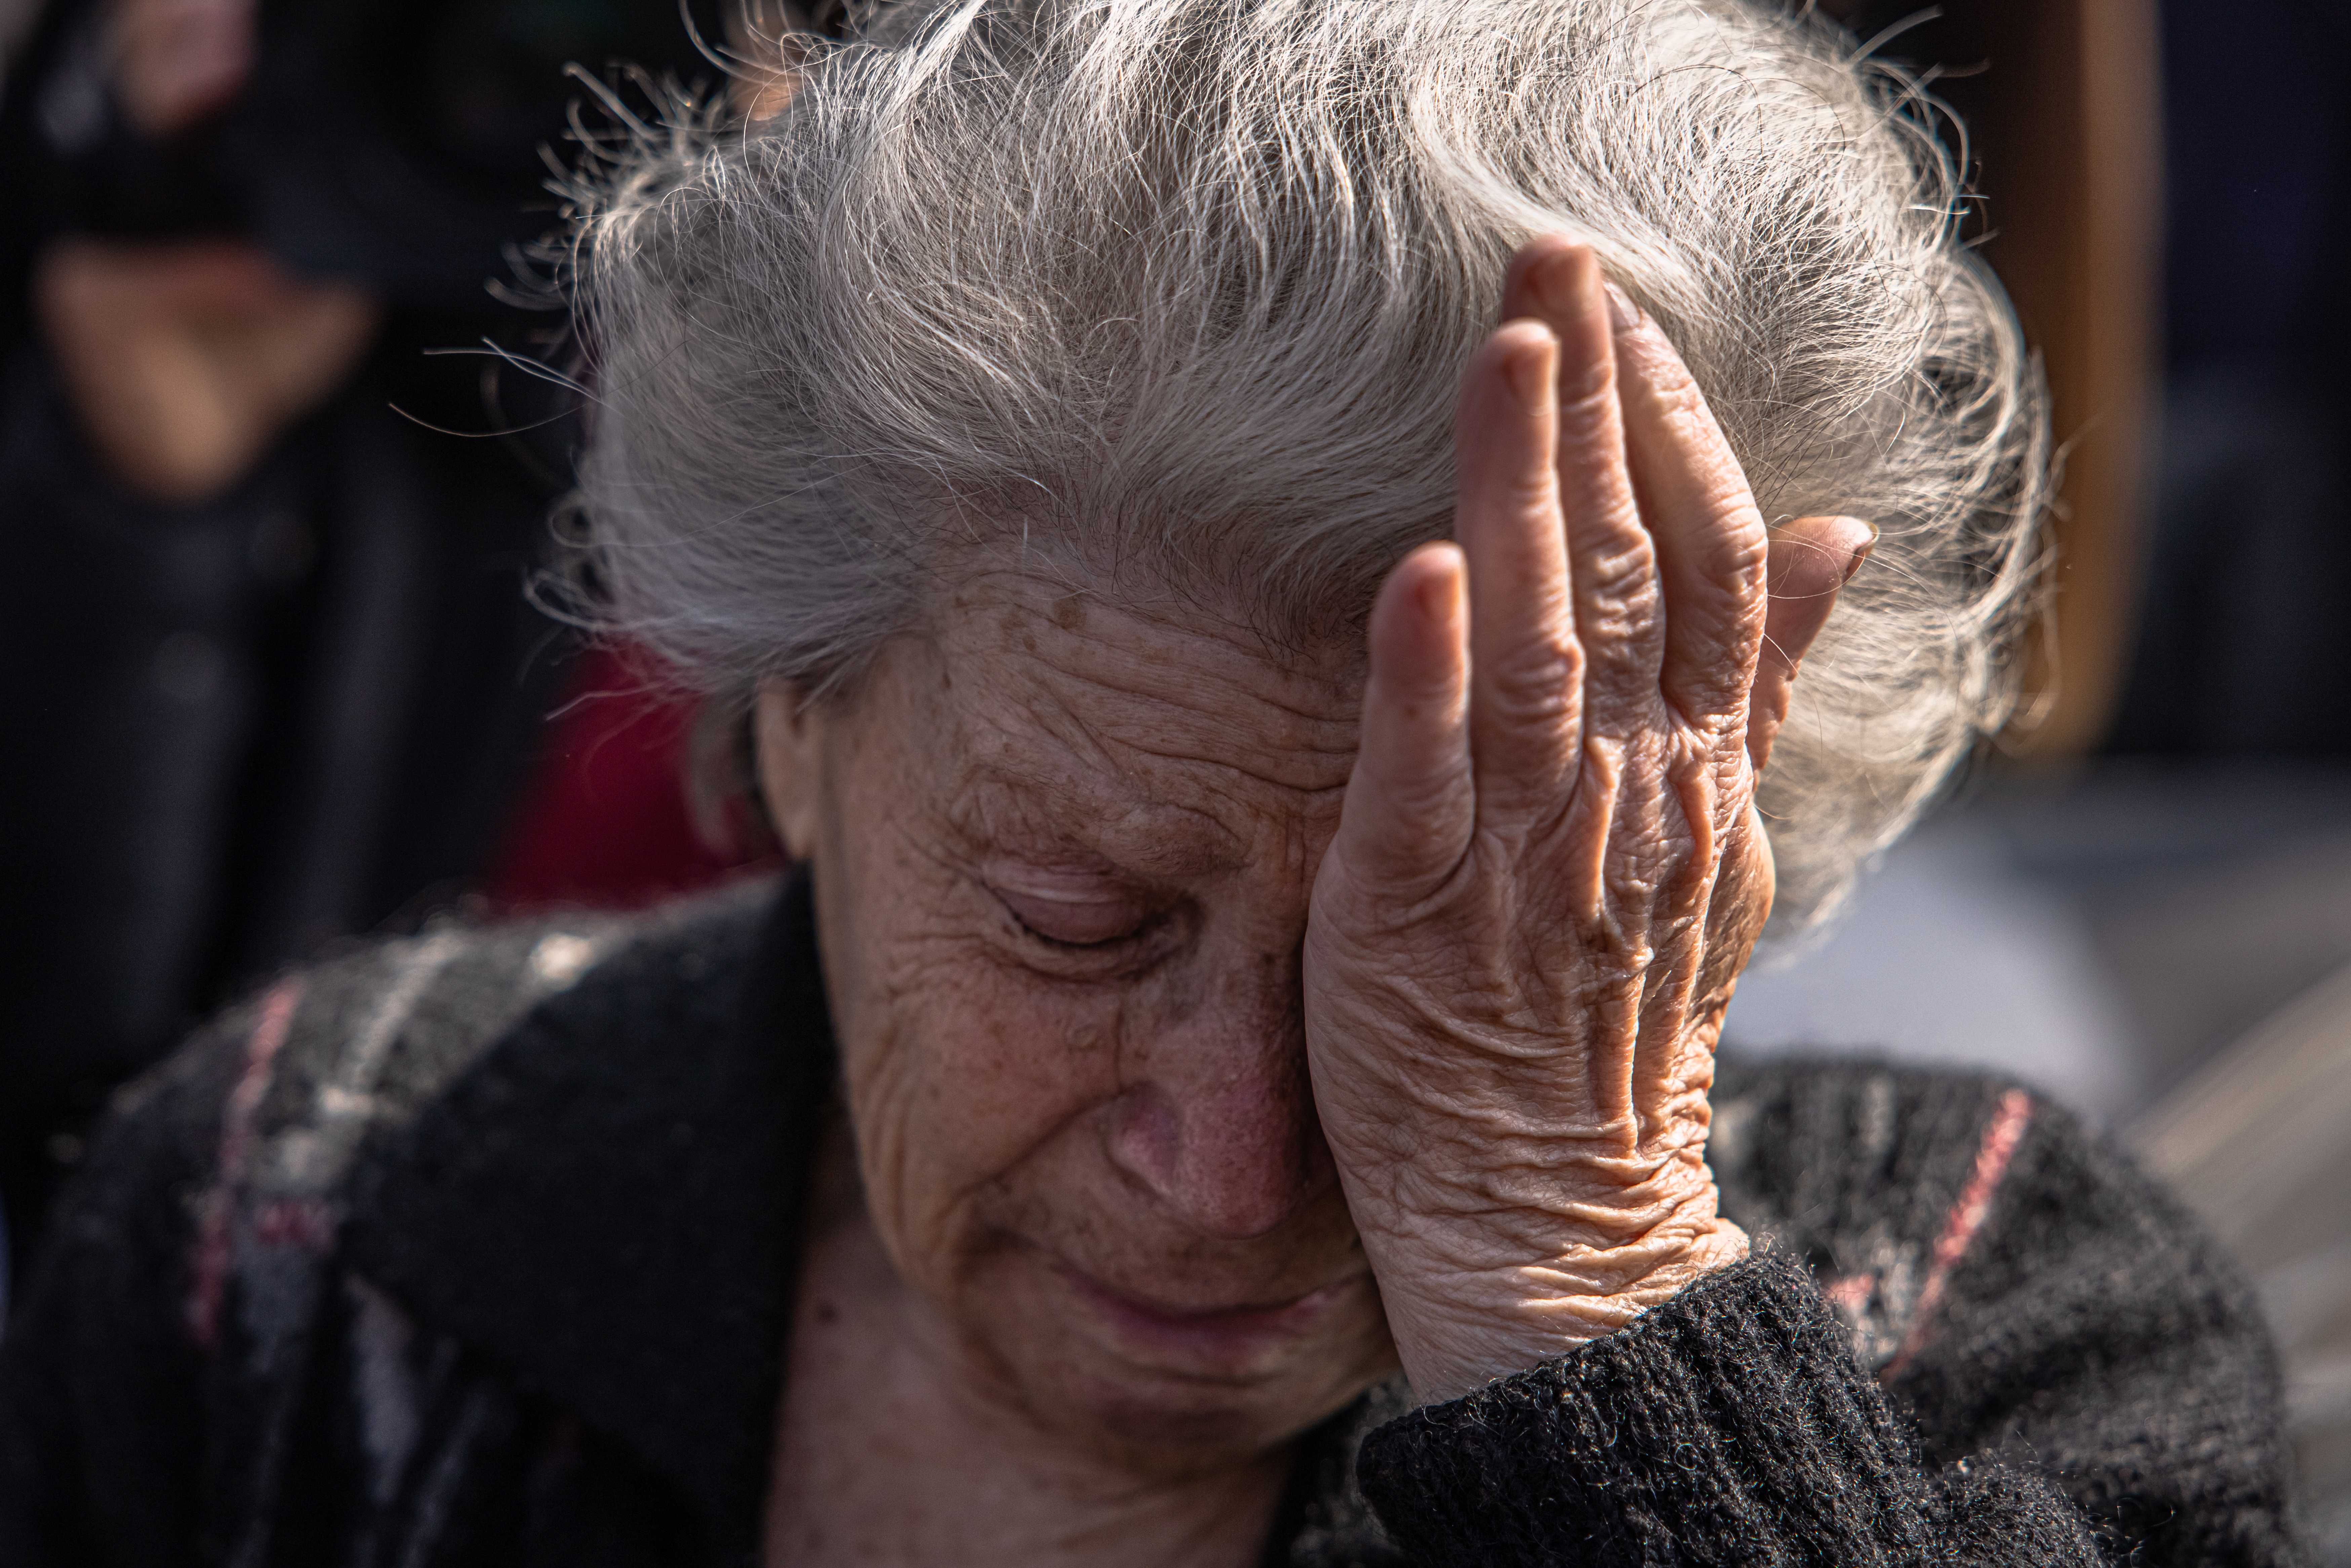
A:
x,y
475,1250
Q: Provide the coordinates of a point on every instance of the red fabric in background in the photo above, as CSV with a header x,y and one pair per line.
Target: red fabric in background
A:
x,y
605,821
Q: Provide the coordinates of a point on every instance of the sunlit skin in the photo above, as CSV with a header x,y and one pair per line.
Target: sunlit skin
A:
x,y
1223,1024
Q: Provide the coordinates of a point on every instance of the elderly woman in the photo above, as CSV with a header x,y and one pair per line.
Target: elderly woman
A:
x,y
1263,550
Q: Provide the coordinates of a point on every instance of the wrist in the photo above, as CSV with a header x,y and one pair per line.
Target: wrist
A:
x,y
1456,1331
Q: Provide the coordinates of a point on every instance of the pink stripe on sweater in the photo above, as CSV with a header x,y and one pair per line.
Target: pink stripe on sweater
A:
x,y
208,1268
2005,1131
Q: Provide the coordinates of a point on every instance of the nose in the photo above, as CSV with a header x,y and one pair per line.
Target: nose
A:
x,y
1216,1116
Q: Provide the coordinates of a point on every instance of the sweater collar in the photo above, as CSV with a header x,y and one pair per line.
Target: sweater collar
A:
x,y
607,1203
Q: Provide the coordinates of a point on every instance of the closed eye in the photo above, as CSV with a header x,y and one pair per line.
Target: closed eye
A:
x,y
1066,920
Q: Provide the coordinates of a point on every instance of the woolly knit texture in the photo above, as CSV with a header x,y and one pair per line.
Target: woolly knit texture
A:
x,y
477,1251
1726,1426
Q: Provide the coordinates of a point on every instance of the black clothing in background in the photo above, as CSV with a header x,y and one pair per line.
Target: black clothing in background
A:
x,y
240,729
302,709
477,1248
2244,634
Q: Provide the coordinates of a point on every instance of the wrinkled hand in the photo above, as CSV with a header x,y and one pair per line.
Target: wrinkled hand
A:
x,y
1548,871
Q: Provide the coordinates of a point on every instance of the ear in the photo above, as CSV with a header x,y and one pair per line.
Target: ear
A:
x,y
789,733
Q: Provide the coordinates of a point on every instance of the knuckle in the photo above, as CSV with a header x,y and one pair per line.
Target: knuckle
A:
x,y
1675,396
1530,493
1626,571
1587,400
1620,595
1540,682
1662,381
1736,549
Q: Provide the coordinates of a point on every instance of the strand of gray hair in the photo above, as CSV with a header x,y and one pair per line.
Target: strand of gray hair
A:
x,y
1185,287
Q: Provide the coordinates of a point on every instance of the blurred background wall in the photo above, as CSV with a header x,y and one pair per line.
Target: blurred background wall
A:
x,y
270,680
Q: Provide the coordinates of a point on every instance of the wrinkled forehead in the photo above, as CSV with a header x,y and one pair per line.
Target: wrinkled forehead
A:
x,y
1081,707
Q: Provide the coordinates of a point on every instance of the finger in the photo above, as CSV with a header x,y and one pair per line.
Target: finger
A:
x,y
1811,561
1611,563
1710,540
1526,665
1411,802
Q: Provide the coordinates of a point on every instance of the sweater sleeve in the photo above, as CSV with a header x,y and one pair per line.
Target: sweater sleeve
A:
x,y
1730,1426
2095,1333
101,1380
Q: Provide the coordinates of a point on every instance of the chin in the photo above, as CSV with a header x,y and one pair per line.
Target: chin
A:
x,y
1180,1385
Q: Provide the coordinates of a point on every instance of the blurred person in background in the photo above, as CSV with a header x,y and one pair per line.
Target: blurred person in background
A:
x,y
267,669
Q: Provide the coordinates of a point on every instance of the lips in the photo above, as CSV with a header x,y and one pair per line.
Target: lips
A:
x,y
1217,1339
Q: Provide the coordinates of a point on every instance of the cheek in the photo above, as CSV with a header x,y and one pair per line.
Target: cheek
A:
x,y
959,1077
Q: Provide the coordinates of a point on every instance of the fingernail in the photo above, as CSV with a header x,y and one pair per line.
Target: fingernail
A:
x,y
1864,553
1623,314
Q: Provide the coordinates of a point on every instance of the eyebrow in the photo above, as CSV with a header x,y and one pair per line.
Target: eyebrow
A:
x,y
1011,808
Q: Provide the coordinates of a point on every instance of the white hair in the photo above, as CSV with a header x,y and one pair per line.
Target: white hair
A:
x,y
1190,284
